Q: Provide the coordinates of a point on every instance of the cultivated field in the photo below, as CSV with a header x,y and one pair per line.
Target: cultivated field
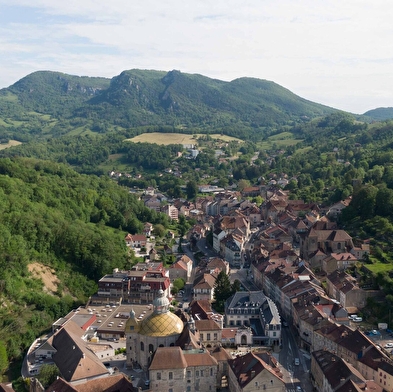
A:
x,y
175,138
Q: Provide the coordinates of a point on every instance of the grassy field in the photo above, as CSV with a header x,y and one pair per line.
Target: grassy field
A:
x,y
281,140
378,267
9,144
175,138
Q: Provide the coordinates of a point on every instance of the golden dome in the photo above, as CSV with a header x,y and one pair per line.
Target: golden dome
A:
x,y
161,324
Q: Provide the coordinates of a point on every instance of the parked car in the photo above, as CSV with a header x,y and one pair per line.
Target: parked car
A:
x,y
357,319
389,345
297,361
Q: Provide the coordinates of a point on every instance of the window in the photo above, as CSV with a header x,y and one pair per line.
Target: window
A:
x,y
202,373
201,335
197,373
188,388
158,376
142,347
215,336
208,336
151,348
188,373
170,375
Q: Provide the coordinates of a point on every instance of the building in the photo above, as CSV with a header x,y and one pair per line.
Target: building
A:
x,y
255,372
258,312
143,336
180,370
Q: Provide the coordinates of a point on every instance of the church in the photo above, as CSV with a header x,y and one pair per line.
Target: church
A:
x,y
161,329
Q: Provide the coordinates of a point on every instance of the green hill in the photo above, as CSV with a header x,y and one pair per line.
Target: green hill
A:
x,y
380,114
51,104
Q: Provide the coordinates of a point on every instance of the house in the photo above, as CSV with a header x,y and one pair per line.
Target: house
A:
x,y
338,261
204,287
336,209
210,332
182,268
147,229
136,240
344,288
254,372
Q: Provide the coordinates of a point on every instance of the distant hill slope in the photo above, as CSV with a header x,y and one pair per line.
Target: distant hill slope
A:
x,y
380,114
138,98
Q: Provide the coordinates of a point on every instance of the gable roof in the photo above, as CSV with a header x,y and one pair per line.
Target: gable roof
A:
x,y
73,357
249,366
114,383
168,358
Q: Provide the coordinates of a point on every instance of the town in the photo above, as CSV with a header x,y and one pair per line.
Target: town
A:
x,y
294,325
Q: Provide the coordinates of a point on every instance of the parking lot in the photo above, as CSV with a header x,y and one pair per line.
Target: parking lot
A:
x,y
382,338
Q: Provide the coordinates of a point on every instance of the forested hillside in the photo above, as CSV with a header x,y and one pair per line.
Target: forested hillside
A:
x,y
48,104
70,222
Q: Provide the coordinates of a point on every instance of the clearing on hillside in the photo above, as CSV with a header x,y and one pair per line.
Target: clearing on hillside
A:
x,y
9,144
46,274
176,138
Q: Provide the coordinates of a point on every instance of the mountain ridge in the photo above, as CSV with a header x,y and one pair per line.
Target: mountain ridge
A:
x,y
137,98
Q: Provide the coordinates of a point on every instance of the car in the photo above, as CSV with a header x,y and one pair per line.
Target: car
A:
x,y
357,320
352,316
389,330
299,388
297,361
388,345
374,332
147,383
132,377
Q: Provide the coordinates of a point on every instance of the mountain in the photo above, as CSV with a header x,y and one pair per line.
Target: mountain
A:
x,y
380,114
50,103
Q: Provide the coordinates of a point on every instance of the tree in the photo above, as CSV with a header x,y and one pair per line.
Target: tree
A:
x,y
236,285
159,230
222,291
191,189
48,374
243,184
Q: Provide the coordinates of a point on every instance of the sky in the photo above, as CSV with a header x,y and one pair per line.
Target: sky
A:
x,y
334,52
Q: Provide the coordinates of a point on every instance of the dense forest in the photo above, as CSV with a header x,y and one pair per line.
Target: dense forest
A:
x,y
70,222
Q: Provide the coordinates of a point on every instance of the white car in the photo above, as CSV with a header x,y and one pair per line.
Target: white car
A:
x,y
389,345
357,319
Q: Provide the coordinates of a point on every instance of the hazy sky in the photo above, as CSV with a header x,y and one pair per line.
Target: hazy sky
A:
x,y
335,52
